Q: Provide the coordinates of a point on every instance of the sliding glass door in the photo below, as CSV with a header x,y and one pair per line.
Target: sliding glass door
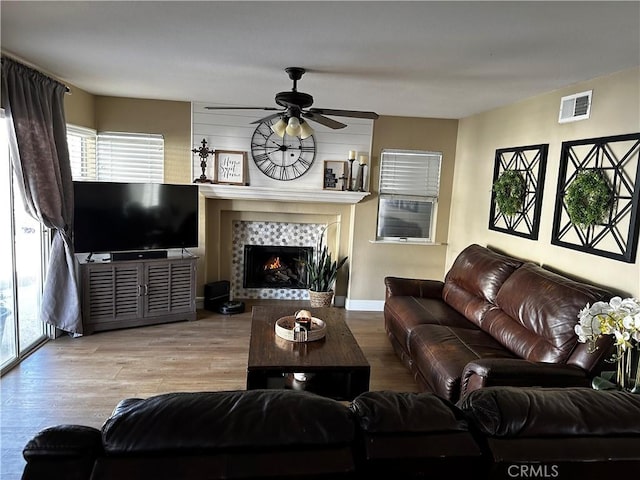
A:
x,y
22,252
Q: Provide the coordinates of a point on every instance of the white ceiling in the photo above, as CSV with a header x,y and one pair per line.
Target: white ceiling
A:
x,y
427,59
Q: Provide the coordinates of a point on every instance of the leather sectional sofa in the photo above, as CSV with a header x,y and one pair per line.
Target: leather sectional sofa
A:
x,y
495,432
494,320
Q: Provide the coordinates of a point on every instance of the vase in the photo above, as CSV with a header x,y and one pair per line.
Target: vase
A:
x,y
627,371
320,299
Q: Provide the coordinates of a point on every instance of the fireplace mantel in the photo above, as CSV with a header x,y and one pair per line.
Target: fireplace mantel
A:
x,y
238,192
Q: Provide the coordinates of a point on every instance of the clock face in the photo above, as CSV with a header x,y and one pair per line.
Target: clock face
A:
x,y
281,158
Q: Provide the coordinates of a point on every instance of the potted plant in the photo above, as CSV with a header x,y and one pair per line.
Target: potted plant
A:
x,y
323,270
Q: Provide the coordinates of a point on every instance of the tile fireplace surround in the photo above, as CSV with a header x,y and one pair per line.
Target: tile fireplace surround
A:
x,y
269,233
240,215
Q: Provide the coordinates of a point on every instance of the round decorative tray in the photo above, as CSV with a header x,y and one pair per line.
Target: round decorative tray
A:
x,y
285,329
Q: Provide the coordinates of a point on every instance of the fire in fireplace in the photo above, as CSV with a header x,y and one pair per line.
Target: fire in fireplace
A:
x,y
274,266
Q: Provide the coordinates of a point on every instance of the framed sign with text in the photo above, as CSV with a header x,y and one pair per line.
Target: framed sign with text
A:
x,y
230,167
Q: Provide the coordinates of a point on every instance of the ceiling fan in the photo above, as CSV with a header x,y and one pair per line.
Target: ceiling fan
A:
x,y
295,106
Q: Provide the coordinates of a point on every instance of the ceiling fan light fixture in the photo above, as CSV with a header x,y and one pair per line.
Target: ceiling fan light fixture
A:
x,y
279,127
293,127
305,130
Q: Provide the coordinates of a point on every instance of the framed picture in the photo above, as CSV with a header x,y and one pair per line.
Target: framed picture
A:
x,y
598,195
335,175
230,167
516,194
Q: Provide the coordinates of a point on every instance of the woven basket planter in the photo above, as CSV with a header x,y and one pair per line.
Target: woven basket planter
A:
x,y
320,299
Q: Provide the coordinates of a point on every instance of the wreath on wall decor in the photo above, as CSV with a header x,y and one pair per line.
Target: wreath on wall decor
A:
x,y
588,199
510,189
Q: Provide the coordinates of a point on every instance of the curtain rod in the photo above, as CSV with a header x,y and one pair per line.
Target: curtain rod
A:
x,y
35,70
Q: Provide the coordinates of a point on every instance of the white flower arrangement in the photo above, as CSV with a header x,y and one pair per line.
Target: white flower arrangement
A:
x,y
620,318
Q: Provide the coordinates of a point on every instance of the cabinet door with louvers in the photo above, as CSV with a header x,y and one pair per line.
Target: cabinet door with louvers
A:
x,y
169,287
111,293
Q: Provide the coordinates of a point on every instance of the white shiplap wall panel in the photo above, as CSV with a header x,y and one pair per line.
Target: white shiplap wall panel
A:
x,y
232,130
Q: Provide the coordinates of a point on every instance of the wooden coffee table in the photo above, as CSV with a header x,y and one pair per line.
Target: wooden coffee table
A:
x,y
334,365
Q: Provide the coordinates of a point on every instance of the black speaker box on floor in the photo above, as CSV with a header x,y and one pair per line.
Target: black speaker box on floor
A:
x,y
216,294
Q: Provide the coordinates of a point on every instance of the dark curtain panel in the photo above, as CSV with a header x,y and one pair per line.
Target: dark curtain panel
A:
x,y
34,104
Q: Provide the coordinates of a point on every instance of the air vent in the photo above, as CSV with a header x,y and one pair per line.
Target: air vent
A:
x,y
575,107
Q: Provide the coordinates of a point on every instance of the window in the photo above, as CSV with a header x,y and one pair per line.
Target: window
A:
x,y
115,156
23,254
409,185
82,152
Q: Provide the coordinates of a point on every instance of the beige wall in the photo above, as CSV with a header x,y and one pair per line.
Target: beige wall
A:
x,y
80,108
371,262
171,119
615,110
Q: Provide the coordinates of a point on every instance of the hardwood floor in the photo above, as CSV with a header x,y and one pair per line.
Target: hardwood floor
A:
x,y
80,380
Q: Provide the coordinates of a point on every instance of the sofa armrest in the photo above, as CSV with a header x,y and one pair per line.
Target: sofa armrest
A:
x,y
413,287
489,372
64,452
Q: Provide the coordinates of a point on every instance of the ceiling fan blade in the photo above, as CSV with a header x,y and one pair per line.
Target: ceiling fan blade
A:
x,y
345,113
244,108
269,117
326,121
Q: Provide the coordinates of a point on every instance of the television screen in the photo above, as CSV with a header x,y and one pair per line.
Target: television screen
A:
x,y
111,217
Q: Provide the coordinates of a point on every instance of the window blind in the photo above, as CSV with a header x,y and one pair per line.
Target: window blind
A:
x,y
82,152
130,157
410,173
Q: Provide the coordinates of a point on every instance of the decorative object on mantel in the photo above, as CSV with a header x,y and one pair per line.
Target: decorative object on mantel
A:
x,y
620,318
203,152
231,167
322,272
516,195
334,175
352,158
586,217
359,187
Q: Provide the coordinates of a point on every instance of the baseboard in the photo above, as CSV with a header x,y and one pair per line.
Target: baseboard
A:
x,y
365,305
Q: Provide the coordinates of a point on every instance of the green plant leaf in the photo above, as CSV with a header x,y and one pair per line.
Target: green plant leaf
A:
x,y
510,190
588,198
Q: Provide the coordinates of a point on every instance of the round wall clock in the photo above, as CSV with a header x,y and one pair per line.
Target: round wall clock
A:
x,y
285,158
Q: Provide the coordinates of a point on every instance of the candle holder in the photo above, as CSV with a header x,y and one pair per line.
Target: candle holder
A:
x,y
344,182
203,152
359,187
350,177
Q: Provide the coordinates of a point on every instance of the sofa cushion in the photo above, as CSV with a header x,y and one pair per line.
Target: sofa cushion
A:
x,y
440,353
402,314
552,412
537,313
227,420
393,412
413,435
473,282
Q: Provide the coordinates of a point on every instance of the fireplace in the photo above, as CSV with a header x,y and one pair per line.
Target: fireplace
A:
x,y
274,266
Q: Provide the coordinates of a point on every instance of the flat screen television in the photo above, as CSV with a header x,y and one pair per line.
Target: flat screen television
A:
x,y
116,217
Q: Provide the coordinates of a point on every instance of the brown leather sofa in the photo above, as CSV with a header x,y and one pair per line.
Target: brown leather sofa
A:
x,y
494,320
494,433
